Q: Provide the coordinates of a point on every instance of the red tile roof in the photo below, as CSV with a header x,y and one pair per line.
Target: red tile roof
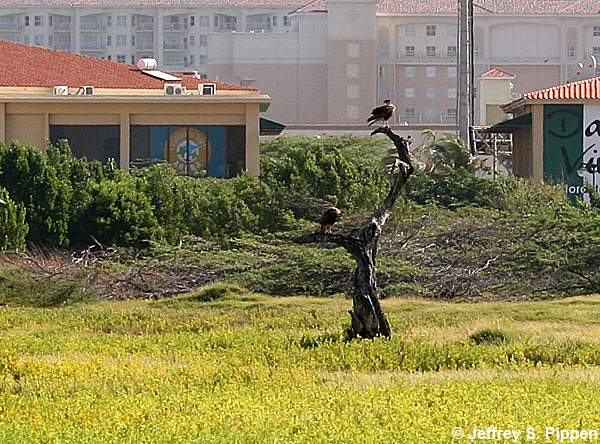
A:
x,y
496,73
31,66
157,3
584,90
449,7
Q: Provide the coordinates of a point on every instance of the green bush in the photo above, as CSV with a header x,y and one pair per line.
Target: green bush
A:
x,y
345,171
32,181
452,188
13,227
119,213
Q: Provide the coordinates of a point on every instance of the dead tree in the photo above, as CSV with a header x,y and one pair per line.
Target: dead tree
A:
x,y
368,318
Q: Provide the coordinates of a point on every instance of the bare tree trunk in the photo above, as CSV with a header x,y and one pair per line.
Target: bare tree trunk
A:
x,y
368,318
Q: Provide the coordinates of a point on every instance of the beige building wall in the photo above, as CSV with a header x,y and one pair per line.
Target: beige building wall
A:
x,y
27,119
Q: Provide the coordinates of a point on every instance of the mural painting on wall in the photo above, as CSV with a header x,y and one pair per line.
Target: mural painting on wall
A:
x,y
572,147
189,150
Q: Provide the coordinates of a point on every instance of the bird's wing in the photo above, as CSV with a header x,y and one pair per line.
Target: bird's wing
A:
x,y
379,110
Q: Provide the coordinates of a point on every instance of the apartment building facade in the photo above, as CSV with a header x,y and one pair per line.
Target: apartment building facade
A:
x,y
328,61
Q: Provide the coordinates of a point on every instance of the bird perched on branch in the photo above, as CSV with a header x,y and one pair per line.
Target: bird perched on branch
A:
x,y
382,114
329,218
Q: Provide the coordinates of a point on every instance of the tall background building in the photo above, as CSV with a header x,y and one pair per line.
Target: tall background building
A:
x,y
328,61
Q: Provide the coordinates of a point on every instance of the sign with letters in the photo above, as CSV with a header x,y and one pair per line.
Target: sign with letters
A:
x,y
572,147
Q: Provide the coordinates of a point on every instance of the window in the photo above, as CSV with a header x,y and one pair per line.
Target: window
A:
x,y
274,21
430,72
452,51
451,114
192,61
409,51
353,50
122,21
216,21
192,40
410,93
133,60
352,112
430,30
109,40
596,51
429,115
192,20
383,93
410,72
26,20
452,93
409,112
203,40
26,39
352,71
108,57
132,40
430,93
203,20
133,21
121,58
431,51
121,40
352,91
286,20
50,21
409,30
38,40
384,71
596,31
451,72
452,30
109,20
571,51
37,20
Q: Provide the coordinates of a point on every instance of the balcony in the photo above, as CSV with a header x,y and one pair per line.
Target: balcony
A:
x,y
62,26
141,45
424,58
175,26
62,46
427,119
11,26
92,46
91,26
174,46
145,26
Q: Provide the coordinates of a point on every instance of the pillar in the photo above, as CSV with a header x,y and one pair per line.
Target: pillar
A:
x,y
252,138
124,142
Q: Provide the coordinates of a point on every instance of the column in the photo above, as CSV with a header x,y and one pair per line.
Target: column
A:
x,y
158,38
537,143
76,32
124,142
252,138
2,122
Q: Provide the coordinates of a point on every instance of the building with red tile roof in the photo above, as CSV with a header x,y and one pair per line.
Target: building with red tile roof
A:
x,y
496,73
108,110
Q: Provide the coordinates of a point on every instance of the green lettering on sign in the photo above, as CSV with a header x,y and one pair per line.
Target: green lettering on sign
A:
x,y
563,146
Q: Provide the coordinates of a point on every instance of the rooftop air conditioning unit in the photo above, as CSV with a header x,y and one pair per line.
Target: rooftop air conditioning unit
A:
x,y
174,89
87,90
61,90
207,89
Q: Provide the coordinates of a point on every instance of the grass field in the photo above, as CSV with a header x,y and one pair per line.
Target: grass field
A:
x,y
246,368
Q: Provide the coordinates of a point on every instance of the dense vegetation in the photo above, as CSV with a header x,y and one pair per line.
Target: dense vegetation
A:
x,y
455,235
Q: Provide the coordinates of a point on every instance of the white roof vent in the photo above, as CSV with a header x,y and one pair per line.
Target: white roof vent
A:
x,y
61,90
207,89
174,89
147,64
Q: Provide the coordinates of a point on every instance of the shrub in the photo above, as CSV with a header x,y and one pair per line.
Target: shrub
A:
x,y
118,214
489,336
215,292
345,171
13,227
32,181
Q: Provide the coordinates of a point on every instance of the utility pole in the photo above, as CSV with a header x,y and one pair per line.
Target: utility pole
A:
x,y
465,71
